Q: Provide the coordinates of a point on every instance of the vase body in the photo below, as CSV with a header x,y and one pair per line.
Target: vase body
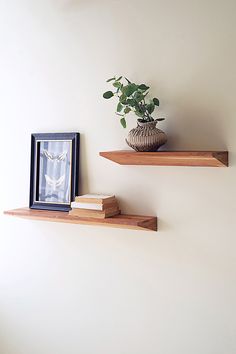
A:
x,y
146,137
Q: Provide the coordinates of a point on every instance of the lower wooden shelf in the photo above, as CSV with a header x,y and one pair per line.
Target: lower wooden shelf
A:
x,y
136,222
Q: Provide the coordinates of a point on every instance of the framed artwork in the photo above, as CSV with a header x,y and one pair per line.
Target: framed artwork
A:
x,y
54,170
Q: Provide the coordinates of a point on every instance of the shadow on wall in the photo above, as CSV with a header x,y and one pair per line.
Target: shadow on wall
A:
x,y
194,128
83,167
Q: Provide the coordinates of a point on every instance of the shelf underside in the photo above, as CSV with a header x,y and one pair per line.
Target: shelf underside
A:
x,y
169,158
123,221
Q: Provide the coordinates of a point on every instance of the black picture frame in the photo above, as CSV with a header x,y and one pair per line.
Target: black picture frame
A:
x,y
38,154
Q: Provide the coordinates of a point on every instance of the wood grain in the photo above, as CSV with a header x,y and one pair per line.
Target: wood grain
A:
x,y
169,158
136,222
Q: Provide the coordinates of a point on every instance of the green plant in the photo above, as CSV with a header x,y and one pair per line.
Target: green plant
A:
x,y
132,98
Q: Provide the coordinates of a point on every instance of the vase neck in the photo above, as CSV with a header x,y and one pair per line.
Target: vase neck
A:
x,y
147,124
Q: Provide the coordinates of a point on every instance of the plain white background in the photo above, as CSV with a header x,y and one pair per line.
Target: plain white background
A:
x,y
91,290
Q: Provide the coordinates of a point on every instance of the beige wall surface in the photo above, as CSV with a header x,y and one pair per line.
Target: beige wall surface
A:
x,y
69,289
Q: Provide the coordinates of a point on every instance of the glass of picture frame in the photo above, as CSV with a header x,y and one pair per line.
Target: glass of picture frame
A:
x,y
54,170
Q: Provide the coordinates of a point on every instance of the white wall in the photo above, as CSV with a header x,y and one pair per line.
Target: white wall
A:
x,y
79,289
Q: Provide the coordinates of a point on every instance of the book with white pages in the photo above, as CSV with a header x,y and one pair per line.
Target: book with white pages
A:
x,y
92,206
95,198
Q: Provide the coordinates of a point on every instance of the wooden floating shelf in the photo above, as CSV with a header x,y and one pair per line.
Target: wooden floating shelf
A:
x,y
136,222
169,158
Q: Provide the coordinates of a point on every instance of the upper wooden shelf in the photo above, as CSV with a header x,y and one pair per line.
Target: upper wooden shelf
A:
x,y
136,222
168,158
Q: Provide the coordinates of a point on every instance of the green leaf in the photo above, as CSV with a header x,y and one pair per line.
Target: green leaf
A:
x,y
127,110
123,122
156,101
113,78
108,94
119,107
117,84
150,108
143,87
130,102
128,90
123,98
160,119
119,78
129,82
138,96
139,114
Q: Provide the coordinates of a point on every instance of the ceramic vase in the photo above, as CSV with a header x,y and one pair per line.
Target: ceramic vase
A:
x,y
146,137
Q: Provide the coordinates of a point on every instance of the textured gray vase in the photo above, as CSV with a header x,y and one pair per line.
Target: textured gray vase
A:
x,y
146,137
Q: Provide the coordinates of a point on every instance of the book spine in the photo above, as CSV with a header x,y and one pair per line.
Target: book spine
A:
x,y
92,206
95,200
95,216
94,212
88,206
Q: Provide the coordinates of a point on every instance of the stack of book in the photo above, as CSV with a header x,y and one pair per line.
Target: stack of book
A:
x,y
95,206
